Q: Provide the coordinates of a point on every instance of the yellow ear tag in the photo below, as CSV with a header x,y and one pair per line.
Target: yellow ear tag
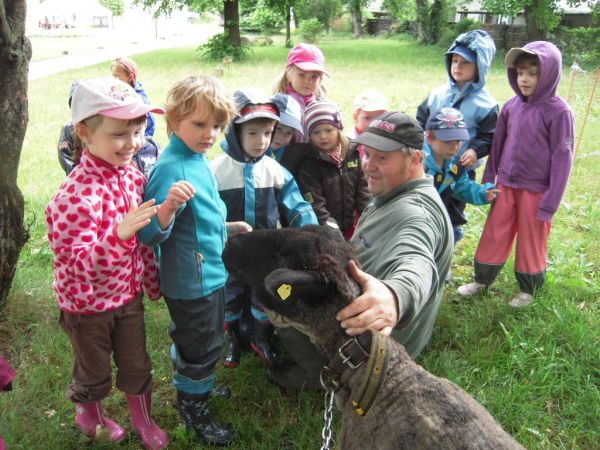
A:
x,y
284,291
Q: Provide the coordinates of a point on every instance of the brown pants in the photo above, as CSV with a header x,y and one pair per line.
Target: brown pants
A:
x,y
94,337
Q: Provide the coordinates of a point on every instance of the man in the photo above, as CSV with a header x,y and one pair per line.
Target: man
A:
x,y
404,246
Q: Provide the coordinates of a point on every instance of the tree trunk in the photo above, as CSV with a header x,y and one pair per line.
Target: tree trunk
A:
x,y
356,15
232,21
15,53
288,20
421,18
533,30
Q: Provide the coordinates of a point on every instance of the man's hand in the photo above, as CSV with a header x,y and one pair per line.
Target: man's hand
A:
x,y
375,309
136,219
468,158
234,228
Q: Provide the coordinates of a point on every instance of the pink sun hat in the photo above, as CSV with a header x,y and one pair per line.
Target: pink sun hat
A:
x,y
307,57
108,97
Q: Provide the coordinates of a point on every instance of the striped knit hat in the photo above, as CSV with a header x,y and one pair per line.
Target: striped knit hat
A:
x,y
319,112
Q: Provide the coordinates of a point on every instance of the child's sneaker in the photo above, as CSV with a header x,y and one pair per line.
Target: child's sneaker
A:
x,y
467,290
521,300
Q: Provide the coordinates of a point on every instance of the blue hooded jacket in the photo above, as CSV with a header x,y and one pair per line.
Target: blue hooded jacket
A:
x,y
479,108
260,191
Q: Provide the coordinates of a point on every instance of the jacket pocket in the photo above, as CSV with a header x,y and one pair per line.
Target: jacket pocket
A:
x,y
199,262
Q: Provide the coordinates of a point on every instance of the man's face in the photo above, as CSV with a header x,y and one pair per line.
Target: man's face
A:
x,y
255,137
385,171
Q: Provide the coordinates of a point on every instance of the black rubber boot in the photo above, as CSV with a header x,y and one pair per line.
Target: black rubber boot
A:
x,y
231,356
304,372
262,342
193,409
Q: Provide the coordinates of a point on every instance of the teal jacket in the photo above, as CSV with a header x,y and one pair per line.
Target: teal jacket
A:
x,y
189,249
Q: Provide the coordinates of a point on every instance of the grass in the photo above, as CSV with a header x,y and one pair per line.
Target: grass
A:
x,y
535,370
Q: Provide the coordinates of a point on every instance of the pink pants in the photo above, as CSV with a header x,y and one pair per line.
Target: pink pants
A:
x,y
513,214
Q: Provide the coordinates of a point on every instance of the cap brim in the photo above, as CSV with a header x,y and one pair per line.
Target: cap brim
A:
x,y
514,53
290,121
311,67
468,56
380,143
452,134
257,115
131,111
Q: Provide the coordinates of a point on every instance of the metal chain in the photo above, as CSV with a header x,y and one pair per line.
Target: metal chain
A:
x,y
327,416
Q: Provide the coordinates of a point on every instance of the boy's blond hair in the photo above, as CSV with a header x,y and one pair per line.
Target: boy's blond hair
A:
x,y
184,95
281,83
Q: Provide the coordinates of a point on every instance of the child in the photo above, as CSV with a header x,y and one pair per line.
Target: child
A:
x,y
100,267
70,147
290,122
303,78
331,177
445,130
369,104
190,231
467,62
261,192
7,374
126,70
530,161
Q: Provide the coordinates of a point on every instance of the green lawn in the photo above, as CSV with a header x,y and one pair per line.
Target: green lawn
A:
x,y
536,370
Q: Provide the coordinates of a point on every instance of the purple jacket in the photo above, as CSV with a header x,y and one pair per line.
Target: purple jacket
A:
x,y
533,143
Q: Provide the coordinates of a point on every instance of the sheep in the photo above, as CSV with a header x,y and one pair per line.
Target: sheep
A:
x,y
301,273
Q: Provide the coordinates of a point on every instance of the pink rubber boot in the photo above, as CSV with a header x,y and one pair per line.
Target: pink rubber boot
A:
x,y
140,407
89,420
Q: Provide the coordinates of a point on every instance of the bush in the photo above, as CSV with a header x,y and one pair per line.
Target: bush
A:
x,y
310,30
266,20
343,24
458,28
580,44
219,46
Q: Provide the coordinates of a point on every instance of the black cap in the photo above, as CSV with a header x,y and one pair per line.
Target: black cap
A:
x,y
392,131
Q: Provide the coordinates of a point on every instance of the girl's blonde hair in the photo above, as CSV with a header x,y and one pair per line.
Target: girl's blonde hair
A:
x,y
186,94
281,83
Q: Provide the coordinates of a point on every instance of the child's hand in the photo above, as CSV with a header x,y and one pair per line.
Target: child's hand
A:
x,y
468,158
492,194
180,193
234,228
136,219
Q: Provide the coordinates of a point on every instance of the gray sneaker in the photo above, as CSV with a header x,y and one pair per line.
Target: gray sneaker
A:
x,y
521,300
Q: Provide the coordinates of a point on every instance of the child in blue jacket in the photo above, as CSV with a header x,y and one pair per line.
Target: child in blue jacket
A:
x,y
445,131
260,192
467,62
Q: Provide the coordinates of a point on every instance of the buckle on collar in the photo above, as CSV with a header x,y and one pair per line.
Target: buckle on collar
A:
x,y
346,358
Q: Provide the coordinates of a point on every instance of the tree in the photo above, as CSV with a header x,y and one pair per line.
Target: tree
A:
x,y
322,10
229,8
429,16
15,53
116,7
355,8
541,16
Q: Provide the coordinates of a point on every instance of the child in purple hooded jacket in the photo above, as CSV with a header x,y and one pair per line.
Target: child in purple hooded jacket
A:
x,y
530,162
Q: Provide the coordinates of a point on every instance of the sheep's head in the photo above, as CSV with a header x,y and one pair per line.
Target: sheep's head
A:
x,y
301,273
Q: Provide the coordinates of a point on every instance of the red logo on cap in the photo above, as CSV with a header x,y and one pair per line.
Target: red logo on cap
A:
x,y
384,125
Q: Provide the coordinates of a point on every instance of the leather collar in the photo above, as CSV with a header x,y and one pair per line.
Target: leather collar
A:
x,y
371,348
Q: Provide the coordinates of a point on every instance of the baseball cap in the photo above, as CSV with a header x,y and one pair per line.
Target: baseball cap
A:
x,y
322,111
448,124
371,100
252,105
307,57
108,97
464,51
392,131
514,53
290,112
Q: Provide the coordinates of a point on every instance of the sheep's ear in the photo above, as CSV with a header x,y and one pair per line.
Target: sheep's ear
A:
x,y
288,286
337,275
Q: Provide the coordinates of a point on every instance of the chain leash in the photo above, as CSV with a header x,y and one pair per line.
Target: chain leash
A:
x,y
327,417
